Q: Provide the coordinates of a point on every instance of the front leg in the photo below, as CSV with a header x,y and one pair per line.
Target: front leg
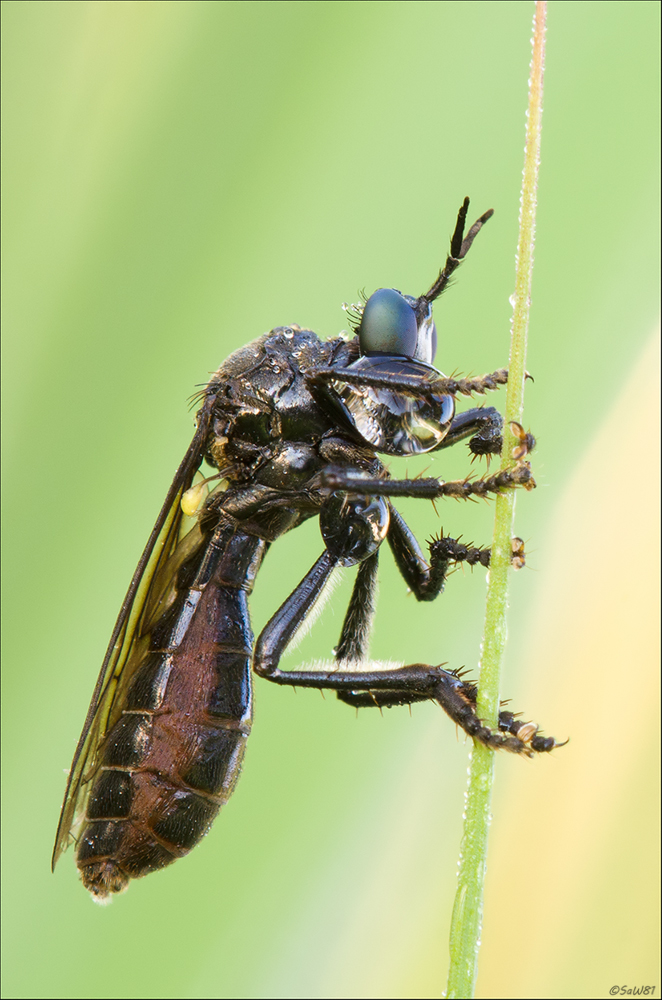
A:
x,y
412,384
483,424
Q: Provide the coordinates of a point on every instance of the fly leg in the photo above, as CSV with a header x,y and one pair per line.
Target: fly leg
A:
x,y
482,424
337,478
426,578
418,682
384,685
408,384
353,528
355,636
397,685
458,699
281,629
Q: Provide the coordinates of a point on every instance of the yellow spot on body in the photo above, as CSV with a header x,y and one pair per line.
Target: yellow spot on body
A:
x,y
193,499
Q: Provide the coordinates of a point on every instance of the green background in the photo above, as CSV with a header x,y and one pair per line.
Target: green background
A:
x,y
179,178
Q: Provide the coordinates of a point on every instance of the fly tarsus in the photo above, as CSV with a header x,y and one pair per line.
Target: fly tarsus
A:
x,y
505,479
480,384
527,732
488,442
458,699
406,685
410,384
444,550
483,425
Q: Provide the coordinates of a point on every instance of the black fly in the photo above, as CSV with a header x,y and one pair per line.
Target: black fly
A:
x,y
292,425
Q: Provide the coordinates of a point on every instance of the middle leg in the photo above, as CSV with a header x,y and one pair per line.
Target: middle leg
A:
x,y
426,578
338,478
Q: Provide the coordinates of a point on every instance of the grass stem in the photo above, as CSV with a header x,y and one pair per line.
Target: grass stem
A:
x,y
468,907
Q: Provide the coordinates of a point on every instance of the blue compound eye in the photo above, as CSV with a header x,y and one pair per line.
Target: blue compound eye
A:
x,y
388,325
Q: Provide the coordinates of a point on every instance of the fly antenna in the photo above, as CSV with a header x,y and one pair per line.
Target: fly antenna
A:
x,y
460,246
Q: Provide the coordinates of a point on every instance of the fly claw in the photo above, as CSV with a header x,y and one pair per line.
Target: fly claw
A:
x,y
517,559
526,441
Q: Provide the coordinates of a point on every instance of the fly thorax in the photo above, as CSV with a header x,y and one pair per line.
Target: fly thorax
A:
x,y
290,467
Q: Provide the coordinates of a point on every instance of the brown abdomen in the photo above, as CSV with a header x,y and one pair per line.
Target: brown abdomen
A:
x,y
173,758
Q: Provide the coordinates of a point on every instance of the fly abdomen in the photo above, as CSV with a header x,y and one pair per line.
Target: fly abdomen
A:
x,y
173,757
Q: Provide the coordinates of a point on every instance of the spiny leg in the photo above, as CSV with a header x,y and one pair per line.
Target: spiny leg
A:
x,y
483,425
337,478
426,578
458,699
412,384
397,686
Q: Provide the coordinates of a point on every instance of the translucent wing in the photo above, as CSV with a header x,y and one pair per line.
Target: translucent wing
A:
x,y
147,584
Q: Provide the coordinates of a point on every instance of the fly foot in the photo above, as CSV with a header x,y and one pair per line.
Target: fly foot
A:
x,y
458,699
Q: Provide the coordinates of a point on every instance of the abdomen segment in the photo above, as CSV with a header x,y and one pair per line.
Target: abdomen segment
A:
x,y
173,757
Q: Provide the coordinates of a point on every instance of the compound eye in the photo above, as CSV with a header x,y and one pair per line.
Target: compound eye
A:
x,y
388,325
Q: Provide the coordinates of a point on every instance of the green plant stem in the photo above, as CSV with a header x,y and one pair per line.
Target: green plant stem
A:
x,y
468,907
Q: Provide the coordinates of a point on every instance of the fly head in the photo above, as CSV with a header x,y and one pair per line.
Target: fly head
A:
x,y
399,412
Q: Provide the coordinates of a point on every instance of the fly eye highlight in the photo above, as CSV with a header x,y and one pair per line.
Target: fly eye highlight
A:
x,y
390,325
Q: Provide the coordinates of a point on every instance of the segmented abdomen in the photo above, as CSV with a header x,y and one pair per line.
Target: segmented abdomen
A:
x,y
174,756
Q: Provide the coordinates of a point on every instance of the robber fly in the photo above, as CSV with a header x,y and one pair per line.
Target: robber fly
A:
x,y
292,426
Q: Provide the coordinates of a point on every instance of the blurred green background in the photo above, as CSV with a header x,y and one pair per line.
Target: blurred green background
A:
x,y
180,177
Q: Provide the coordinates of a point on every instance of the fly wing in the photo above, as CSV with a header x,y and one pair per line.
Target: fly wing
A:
x,y
148,581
